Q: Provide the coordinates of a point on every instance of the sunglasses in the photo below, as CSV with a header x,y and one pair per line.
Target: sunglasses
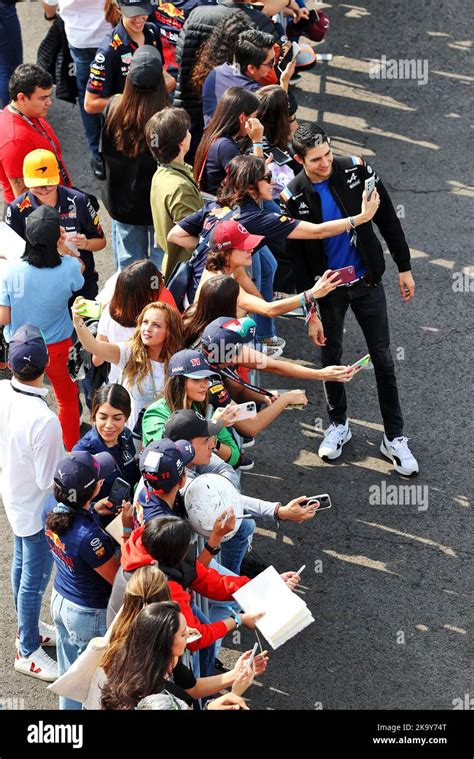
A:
x,y
267,177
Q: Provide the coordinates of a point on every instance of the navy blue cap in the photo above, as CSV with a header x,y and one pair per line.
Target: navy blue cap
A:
x,y
223,338
162,462
27,348
78,470
190,363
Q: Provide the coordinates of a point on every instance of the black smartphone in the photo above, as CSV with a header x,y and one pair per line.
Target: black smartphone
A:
x,y
287,58
279,156
120,491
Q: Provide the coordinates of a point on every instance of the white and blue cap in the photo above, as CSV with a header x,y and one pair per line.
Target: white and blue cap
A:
x,y
162,463
190,363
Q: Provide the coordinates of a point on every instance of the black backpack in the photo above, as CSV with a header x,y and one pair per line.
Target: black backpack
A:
x,y
185,278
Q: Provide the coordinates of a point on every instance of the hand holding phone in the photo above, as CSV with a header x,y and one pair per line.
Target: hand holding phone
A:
x,y
245,411
364,361
120,491
324,500
90,309
369,186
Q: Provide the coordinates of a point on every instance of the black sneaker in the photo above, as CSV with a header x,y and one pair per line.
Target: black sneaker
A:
x,y
248,442
245,463
252,564
98,168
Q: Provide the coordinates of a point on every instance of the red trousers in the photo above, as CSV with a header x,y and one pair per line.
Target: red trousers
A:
x,y
65,391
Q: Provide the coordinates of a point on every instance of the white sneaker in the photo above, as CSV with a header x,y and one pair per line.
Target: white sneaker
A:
x,y
47,635
38,664
399,453
334,438
273,346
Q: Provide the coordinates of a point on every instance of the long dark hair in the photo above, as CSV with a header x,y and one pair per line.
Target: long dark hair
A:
x,y
174,393
129,113
141,665
136,286
218,48
244,172
116,395
274,114
217,296
225,122
42,256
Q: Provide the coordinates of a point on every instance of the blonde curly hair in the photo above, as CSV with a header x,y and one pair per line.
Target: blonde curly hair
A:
x,y
139,366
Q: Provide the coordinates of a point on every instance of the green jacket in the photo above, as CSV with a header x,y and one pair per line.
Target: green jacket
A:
x,y
174,195
158,413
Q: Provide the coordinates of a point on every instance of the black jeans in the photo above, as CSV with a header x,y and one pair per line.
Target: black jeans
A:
x,y
370,309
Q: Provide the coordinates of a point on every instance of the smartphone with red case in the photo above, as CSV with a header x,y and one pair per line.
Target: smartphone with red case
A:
x,y
346,275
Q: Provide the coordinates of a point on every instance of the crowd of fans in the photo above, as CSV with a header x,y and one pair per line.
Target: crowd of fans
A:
x,y
215,191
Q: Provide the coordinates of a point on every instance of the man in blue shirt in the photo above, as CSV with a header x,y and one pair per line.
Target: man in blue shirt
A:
x,y
330,189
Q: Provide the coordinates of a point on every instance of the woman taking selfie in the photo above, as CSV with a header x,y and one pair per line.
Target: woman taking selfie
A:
x,y
136,286
142,360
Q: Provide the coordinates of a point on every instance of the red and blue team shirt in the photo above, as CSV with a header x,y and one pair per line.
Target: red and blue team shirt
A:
x,y
77,553
77,213
113,57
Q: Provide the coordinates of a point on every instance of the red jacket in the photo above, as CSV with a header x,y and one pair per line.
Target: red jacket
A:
x,y
208,583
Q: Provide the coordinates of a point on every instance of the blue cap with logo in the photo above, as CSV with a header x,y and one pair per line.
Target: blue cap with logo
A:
x,y
78,470
190,363
230,331
27,348
162,462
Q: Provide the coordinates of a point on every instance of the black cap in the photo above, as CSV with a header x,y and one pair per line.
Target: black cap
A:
x,y
188,424
43,227
131,8
146,68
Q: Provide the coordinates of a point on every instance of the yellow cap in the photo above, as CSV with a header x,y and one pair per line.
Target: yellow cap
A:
x,y
40,168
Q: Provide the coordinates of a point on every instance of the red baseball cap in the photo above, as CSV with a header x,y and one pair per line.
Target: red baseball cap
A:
x,y
231,234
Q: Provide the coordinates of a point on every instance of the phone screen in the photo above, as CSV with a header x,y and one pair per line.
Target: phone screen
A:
x,y
278,156
120,491
287,58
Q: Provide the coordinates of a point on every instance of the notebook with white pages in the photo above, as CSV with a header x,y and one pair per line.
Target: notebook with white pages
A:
x,y
286,614
115,528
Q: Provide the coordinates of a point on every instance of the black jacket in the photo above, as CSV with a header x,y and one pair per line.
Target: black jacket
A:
x,y
347,185
54,56
197,28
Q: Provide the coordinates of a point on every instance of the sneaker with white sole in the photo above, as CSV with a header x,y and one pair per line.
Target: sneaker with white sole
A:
x,y
47,635
273,346
398,452
335,437
38,664
247,442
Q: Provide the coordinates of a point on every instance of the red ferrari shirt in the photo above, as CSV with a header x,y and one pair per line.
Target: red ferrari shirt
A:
x,y
17,139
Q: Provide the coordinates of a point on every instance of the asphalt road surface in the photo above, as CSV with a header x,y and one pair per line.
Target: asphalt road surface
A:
x,y
387,568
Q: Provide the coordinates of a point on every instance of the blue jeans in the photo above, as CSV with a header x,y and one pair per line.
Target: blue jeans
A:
x,y
264,266
82,58
75,627
132,243
234,550
11,48
31,570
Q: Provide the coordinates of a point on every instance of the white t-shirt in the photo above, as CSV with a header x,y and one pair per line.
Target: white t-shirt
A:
x,y
84,21
115,333
150,388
